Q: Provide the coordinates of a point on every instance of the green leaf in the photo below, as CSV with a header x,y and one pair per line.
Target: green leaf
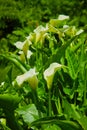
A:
x,y
59,53
29,113
70,110
72,63
9,101
52,127
63,124
83,122
3,73
14,58
4,127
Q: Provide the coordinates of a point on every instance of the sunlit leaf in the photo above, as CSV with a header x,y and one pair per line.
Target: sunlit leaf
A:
x,y
83,122
52,127
29,113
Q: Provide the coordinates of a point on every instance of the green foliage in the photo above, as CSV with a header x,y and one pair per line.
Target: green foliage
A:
x,y
29,113
63,124
63,106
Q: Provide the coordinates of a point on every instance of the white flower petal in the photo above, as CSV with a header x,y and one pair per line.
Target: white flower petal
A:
x,y
63,17
40,29
29,53
51,69
49,73
66,26
19,45
80,31
29,76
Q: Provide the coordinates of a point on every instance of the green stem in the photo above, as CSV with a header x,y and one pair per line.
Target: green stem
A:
x,y
49,102
11,120
36,101
15,61
9,103
85,84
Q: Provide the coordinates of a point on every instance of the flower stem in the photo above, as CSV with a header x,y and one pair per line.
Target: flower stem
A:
x,y
49,101
36,101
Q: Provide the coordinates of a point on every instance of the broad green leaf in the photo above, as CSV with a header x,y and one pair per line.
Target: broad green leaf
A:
x,y
3,73
83,122
70,110
72,63
29,113
9,101
52,127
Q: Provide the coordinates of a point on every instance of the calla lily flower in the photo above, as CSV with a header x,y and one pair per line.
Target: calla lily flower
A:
x,y
63,17
40,29
29,53
23,45
24,49
40,33
50,72
30,76
20,45
80,31
22,55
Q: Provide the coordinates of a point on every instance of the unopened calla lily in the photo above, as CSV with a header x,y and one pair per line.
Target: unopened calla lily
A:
x,y
50,72
30,76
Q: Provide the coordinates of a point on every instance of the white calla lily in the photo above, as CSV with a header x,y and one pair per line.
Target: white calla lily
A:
x,y
24,47
29,53
22,55
63,17
30,76
49,73
40,32
19,45
80,31
40,29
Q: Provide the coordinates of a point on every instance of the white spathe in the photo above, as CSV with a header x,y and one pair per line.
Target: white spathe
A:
x,y
30,76
80,31
20,45
63,17
49,73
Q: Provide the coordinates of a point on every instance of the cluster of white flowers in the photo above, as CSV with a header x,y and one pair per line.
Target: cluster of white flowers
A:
x,y
31,76
39,34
